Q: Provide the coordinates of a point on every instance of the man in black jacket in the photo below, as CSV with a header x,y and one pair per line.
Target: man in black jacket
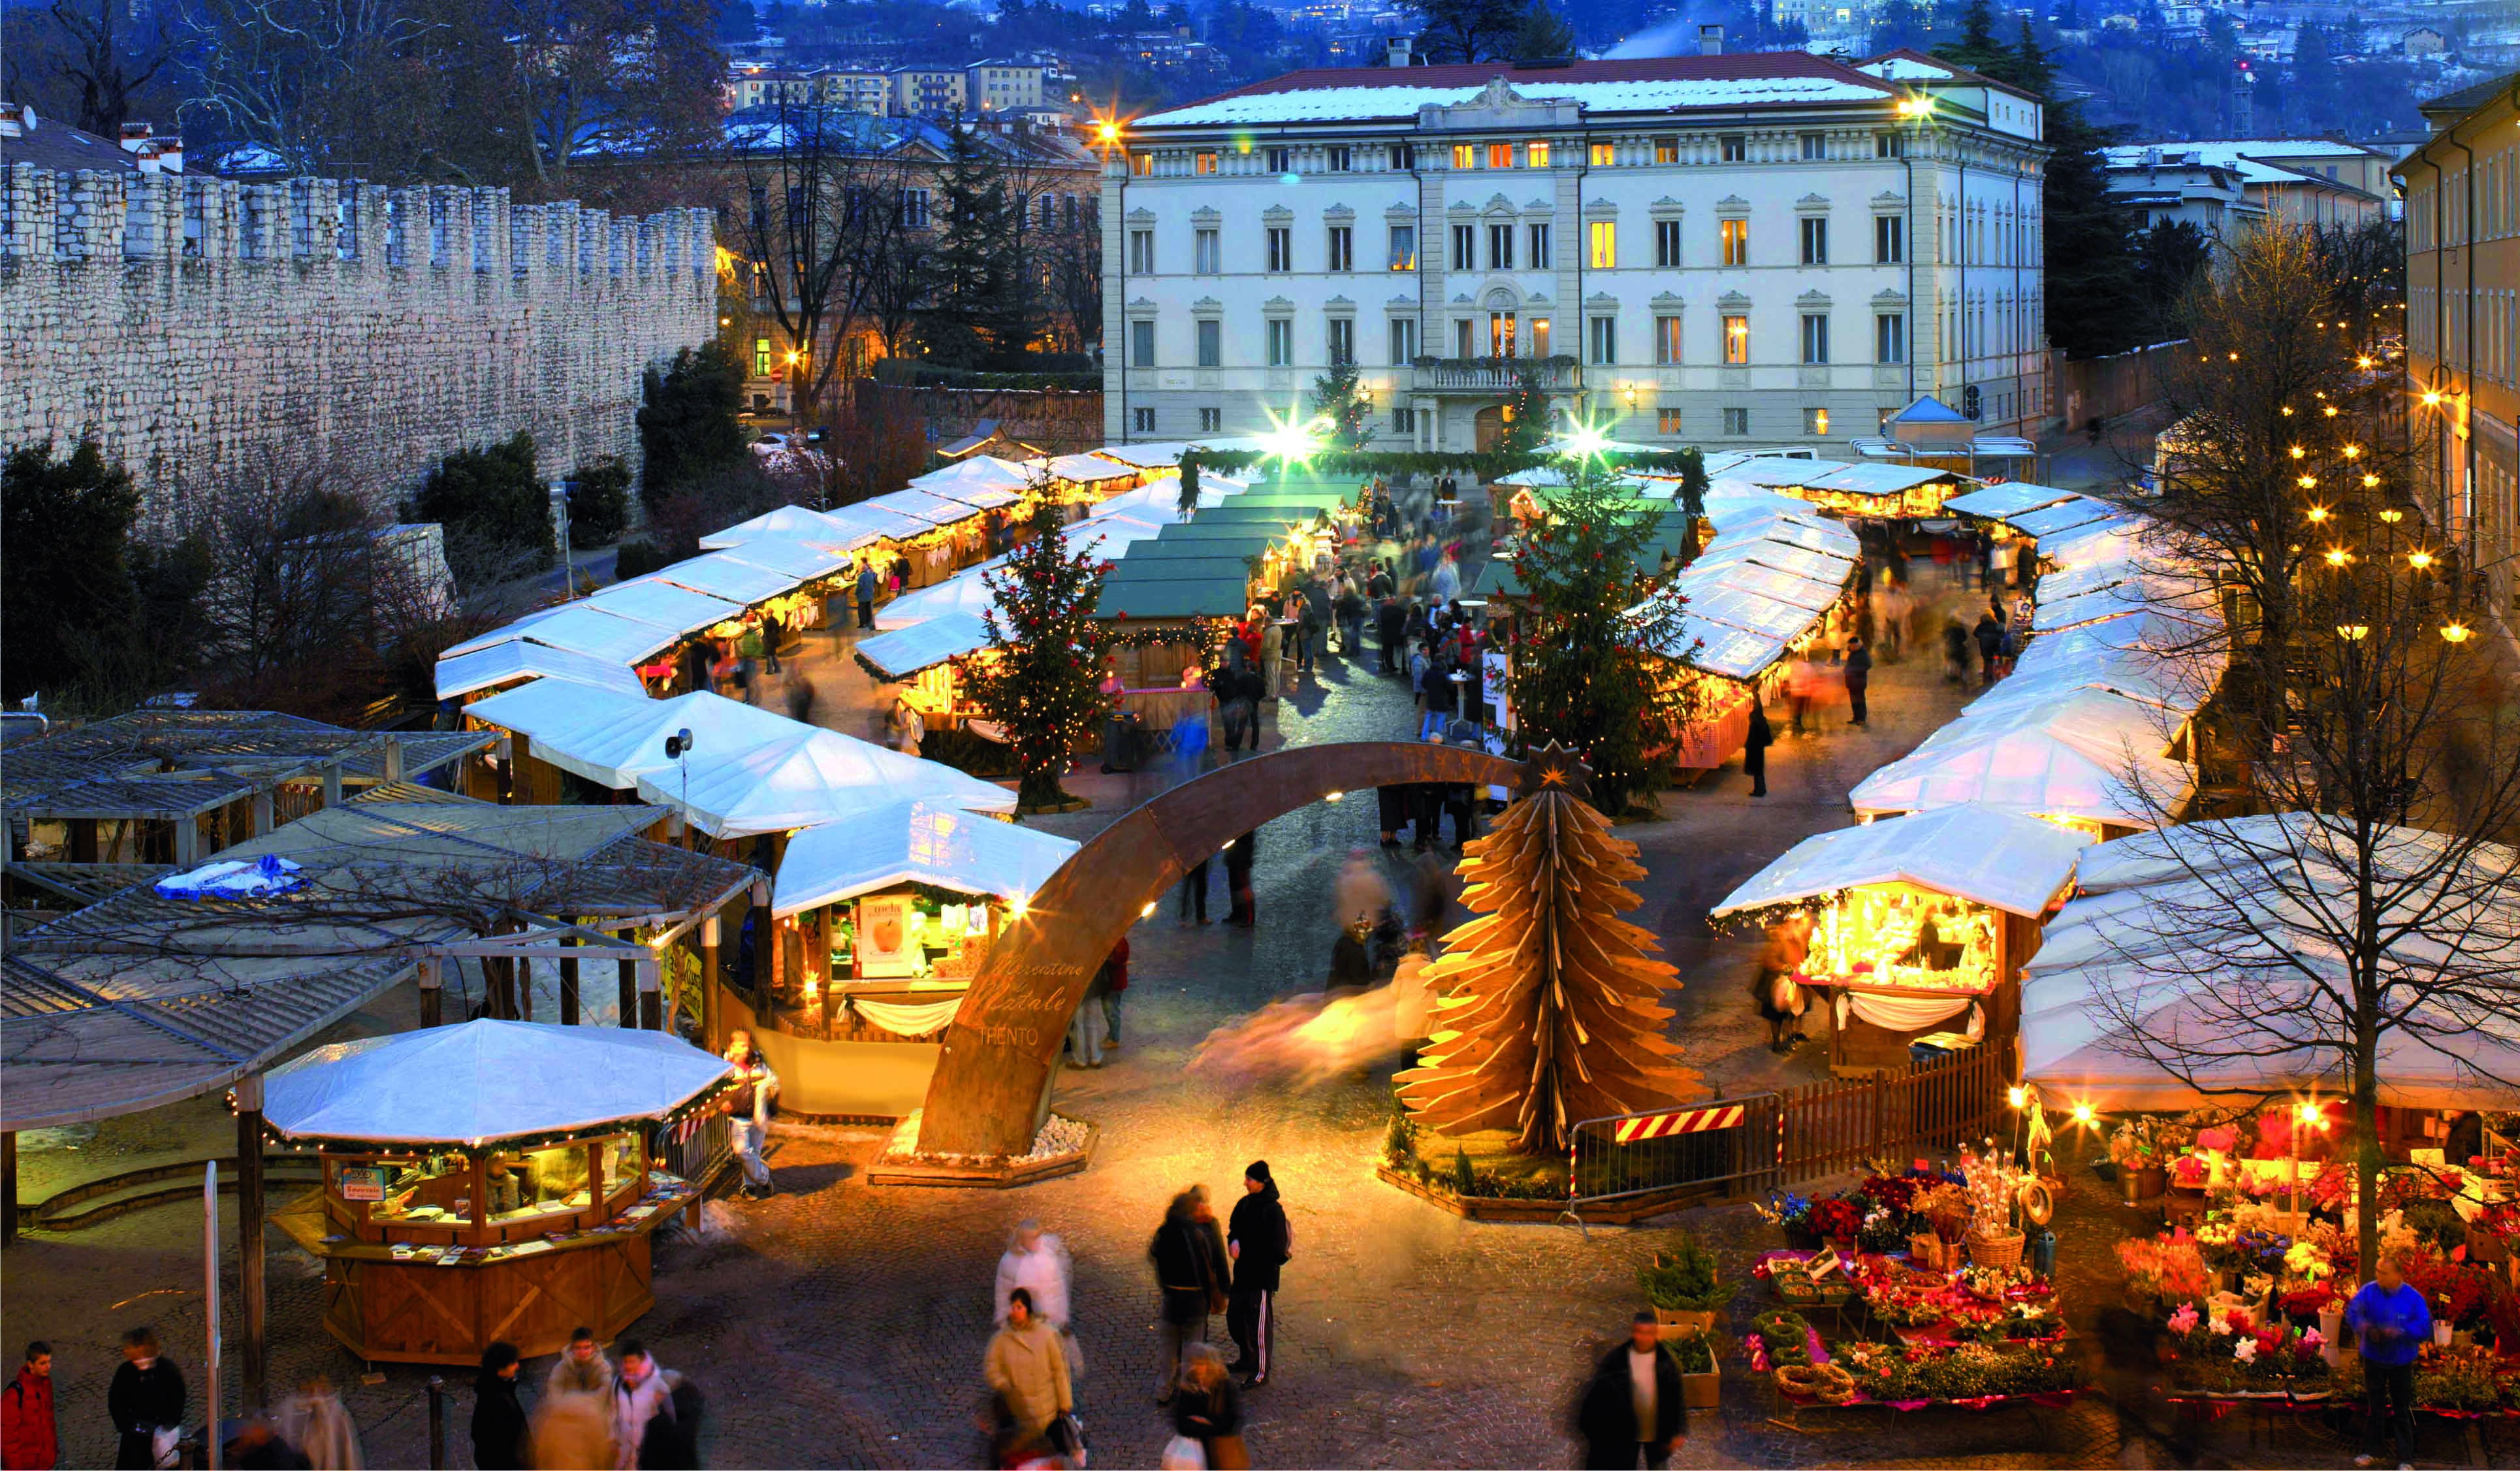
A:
x,y
1259,1241
146,1393
1633,1405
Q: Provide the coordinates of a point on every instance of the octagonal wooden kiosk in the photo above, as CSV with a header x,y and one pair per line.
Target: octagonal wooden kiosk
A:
x,y
487,1181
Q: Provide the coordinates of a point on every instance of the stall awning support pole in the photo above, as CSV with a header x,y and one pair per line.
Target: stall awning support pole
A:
x,y
765,940
525,985
629,991
568,990
8,1188
188,841
393,757
332,784
507,771
250,1232
712,988
651,998
263,813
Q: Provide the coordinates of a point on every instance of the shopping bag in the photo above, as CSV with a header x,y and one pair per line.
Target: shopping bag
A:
x,y
1182,1453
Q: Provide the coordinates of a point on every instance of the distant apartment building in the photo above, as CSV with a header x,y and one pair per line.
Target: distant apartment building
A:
x,y
2164,184
859,90
1774,248
995,86
2311,181
929,91
2463,330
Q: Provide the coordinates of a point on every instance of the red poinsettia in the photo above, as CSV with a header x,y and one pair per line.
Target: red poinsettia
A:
x,y
1836,1220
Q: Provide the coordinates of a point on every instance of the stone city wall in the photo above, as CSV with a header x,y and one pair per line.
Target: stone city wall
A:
x,y
185,323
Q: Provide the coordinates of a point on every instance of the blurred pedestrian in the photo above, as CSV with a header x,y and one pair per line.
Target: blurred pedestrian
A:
x,y
258,1447
1432,891
903,727
1895,607
797,692
1115,988
1210,1411
1361,891
1351,961
581,1370
146,1400
1755,744
1633,1408
319,1425
1990,647
639,1396
772,632
1260,1243
1026,1366
1802,689
30,1439
2392,1323
498,1415
1240,855
749,1109
1193,893
573,1431
1191,1274
1779,996
1956,647
1085,1025
1037,1262
1859,679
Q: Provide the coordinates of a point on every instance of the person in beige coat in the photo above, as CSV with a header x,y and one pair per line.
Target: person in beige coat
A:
x,y
1027,1366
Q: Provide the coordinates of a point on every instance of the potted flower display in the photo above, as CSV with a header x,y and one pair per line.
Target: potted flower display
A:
x,y
2136,1156
1838,1222
1793,1214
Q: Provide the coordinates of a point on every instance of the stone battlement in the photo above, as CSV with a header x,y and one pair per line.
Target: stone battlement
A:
x,y
186,323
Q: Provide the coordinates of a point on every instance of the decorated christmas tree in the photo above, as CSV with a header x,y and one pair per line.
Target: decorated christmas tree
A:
x,y
1040,678
1549,1012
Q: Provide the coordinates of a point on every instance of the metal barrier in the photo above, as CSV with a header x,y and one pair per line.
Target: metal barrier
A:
x,y
1730,1142
698,1156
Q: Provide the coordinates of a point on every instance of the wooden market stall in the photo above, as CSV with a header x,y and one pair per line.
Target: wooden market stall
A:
x,y
492,1180
1914,929
1871,489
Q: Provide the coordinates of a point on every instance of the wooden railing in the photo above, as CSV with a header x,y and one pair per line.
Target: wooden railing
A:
x,y
1838,1125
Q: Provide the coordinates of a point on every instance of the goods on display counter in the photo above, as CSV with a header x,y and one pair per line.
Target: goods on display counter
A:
x,y
1886,491
489,1180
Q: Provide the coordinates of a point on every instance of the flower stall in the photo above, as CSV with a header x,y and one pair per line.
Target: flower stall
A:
x,y
1918,925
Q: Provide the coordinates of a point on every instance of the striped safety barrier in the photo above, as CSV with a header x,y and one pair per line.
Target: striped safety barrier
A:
x,y
1687,1121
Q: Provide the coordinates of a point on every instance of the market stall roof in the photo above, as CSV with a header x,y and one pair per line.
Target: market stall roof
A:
x,y
1168,598
581,627
142,1001
1778,556
1086,468
983,482
916,843
483,1081
904,652
521,659
1859,479
1722,649
2030,769
1739,505
1741,574
1190,566
927,512
1159,454
168,764
724,574
967,591
2061,517
2113,540
799,561
2014,863
2183,599
2007,500
2198,942
613,740
1241,533
795,524
874,522
810,777
662,604
2181,684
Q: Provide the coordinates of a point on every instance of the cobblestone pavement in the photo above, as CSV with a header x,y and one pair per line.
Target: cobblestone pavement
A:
x,y
838,1325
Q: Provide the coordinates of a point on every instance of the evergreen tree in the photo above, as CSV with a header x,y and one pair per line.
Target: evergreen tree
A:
x,y
66,523
1040,678
1693,481
1551,1005
2091,266
1468,31
1588,672
687,423
2031,70
1526,415
1544,35
1977,49
1337,397
968,315
495,510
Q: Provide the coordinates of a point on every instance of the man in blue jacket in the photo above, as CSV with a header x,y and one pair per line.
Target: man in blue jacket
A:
x,y
2393,1323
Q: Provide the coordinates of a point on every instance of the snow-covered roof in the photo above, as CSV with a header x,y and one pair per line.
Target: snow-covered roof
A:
x,y
1906,68
460,674
2014,863
2003,502
676,610
1659,84
924,644
723,574
796,523
982,481
919,843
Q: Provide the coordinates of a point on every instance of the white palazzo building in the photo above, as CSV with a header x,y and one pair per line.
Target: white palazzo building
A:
x,y
1770,248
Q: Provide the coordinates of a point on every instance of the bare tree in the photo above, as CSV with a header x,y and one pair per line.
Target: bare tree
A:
x,y
900,287
822,214
330,86
95,51
599,78
2362,903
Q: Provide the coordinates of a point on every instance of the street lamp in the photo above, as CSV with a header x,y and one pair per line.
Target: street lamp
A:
x,y
2456,633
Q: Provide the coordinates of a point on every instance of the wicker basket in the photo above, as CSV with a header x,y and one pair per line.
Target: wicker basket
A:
x,y
2000,1249
1926,1249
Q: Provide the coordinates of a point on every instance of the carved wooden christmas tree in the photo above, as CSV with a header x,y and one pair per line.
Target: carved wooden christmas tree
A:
x,y
1549,1012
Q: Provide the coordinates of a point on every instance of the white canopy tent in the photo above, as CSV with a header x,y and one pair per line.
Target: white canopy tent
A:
x,y
484,1080
581,627
795,524
983,481
723,574
916,843
926,511
2010,863
808,777
2111,540
1084,469
2007,500
2200,942
2187,600
2062,517
801,560
924,644
460,674
613,740
2179,685
652,600
2054,760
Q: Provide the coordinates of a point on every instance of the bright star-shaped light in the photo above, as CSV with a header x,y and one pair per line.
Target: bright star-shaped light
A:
x,y
1293,438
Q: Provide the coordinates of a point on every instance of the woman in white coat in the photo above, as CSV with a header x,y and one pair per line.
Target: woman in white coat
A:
x,y
1037,1261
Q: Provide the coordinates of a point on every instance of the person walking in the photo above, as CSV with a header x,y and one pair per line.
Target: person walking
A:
x,y
1632,1408
639,1396
1754,746
1447,581
498,1416
1956,647
319,1425
1990,647
1359,891
1802,689
1026,1367
796,692
748,1108
1037,1262
748,658
1085,1025
1389,621
1209,1412
1260,1242
903,727
1859,679
1779,999
2390,1324
145,1400
1193,893
867,583
1894,606
1189,1275
581,1370
30,1439
1240,855
1115,987
772,632
1349,605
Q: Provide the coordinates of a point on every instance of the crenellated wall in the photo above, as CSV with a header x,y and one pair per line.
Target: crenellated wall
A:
x,y
184,322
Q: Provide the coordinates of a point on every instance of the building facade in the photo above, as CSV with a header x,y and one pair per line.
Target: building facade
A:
x,y
2165,185
2463,330
928,91
2304,181
1003,86
1774,248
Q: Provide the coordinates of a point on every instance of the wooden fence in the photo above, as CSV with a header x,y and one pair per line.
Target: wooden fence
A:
x,y
1836,1125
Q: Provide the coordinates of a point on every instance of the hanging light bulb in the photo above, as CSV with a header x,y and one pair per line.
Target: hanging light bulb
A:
x,y
2353,632
2316,515
2297,451
2338,556
2454,632
2393,515
2310,483
2353,451
2419,559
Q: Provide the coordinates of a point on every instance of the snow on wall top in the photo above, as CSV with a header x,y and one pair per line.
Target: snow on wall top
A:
x,y
1906,68
1662,84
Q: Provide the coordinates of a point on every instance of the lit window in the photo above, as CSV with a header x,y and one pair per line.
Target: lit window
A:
x,y
1603,154
1204,162
1667,422
1736,339
1535,156
1737,242
1604,236
1403,247
1466,156
1500,156
1667,149
1816,421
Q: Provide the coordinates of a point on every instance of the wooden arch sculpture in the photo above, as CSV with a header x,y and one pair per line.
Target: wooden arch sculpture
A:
x,y
991,1085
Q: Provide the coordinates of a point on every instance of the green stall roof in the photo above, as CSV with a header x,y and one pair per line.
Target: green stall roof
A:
x,y
1193,597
